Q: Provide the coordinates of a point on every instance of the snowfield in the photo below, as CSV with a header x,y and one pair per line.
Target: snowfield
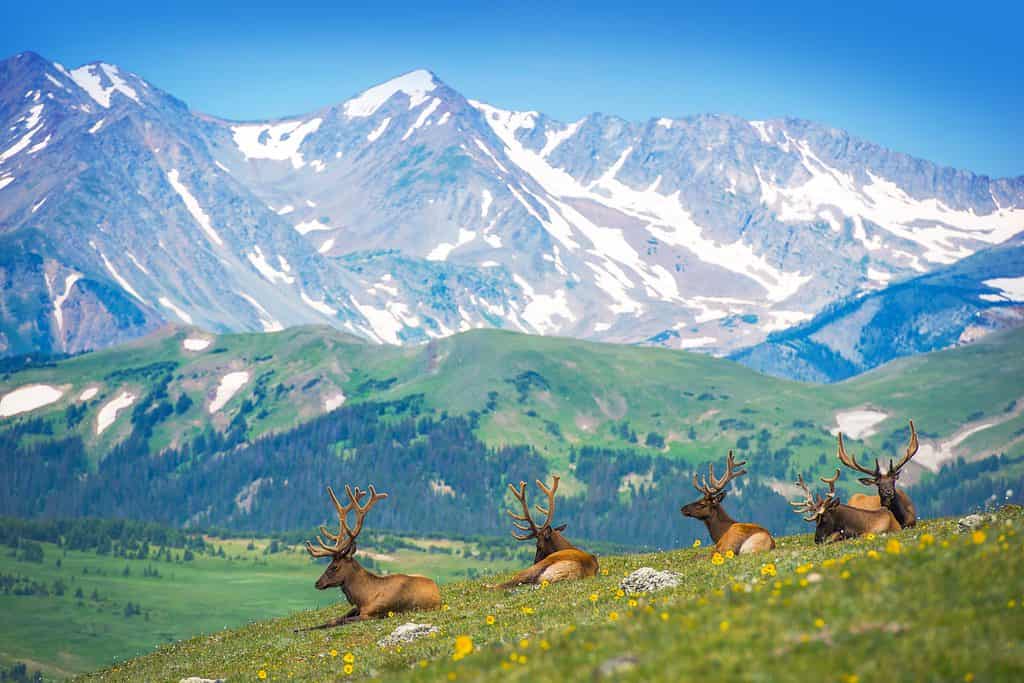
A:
x,y
196,344
858,424
29,397
108,413
228,387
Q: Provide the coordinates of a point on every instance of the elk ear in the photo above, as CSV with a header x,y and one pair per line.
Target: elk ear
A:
x,y
719,497
867,481
350,551
561,528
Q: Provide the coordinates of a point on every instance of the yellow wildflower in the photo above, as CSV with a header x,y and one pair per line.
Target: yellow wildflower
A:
x,y
819,623
632,602
664,616
463,646
545,583
845,574
604,572
869,536
545,645
593,597
696,543
261,674
873,554
804,583
927,539
893,546
851,678
978,537
768,569
391,615
828,563
452,676
527,610
524,644
729,554
445,607
334,653
348,669
804,568
717,559
620,593
522,659
490,620
349,658
613,616
968,677
423,664
724,627
1011,603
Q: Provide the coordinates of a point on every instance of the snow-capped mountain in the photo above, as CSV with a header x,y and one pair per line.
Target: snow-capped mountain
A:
x,y
410,212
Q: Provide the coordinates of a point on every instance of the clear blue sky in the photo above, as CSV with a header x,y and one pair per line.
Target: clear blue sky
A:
x,y
943,82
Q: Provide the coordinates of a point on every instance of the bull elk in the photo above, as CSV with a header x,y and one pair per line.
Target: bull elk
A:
x,y
889,496
727,533
371,595
556,559
836,521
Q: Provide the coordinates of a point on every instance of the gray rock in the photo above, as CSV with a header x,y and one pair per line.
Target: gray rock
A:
x,y
615,666
647,580
200,679
406,633
969,523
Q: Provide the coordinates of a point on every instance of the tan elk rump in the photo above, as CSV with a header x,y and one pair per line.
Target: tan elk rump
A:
x,y
889,497
556,558
371,595
727,533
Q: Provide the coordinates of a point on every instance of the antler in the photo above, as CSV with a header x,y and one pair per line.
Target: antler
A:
x,y
808,504
911,451
851,461
831,484
531,527
342,546
717,485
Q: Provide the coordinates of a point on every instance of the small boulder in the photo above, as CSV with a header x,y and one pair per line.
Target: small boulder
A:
x,y
969,523
406,633
200,679
648,580
616,666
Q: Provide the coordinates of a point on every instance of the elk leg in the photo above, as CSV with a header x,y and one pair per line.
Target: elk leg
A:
x,y
350,616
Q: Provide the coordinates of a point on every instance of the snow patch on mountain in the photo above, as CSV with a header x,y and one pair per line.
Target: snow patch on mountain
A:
x,y
379,130
227,388
424,115
327,245
334,402
442,250
29,397
108,413
183,315
1012,289
306,227
193,207
557,137
277,142
58,301
117,277
415,84
262,265
32,126
266,320
318,306
90,78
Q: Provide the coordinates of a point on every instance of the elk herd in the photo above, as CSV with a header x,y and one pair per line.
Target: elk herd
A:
x,y
557,559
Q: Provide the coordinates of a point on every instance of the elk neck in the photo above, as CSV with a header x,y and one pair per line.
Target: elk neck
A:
x,y
718,522
360,585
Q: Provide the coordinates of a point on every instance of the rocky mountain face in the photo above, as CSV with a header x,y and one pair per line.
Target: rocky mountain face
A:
x,y
410,212
952,305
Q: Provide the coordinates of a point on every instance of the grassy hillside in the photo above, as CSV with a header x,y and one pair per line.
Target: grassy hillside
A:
x,y
550,393
926,604
108,608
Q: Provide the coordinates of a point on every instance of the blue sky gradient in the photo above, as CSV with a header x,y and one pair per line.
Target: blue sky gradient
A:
x,y
942,82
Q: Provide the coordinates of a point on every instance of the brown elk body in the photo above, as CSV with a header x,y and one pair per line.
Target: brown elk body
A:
x,y
556,558
371,595
895,500
727,533
835,521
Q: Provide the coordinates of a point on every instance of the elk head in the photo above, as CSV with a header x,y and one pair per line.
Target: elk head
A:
x,y
549,539
821,510
714,493
885,481
343,543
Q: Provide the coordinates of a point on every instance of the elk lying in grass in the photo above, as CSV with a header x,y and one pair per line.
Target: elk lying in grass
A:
x,y
556,559
889,496
836,521
371,595
727,533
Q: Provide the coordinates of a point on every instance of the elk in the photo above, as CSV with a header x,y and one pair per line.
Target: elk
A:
x,y
889,496
556,559
836,521
727,533
371,595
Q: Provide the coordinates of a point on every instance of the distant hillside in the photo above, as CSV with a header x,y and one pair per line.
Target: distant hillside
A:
x,y
954,305
245,431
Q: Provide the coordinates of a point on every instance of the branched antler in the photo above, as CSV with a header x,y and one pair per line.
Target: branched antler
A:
x,y
718,485
812,504
346,545
911,451
530,527
852,463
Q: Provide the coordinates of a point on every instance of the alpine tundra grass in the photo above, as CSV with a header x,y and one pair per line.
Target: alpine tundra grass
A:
x,y
924,604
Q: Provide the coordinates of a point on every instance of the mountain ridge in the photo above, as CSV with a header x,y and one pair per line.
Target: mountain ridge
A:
x,y
706,232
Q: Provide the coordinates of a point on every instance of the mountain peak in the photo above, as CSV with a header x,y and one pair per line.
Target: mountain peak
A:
x,y
414,84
